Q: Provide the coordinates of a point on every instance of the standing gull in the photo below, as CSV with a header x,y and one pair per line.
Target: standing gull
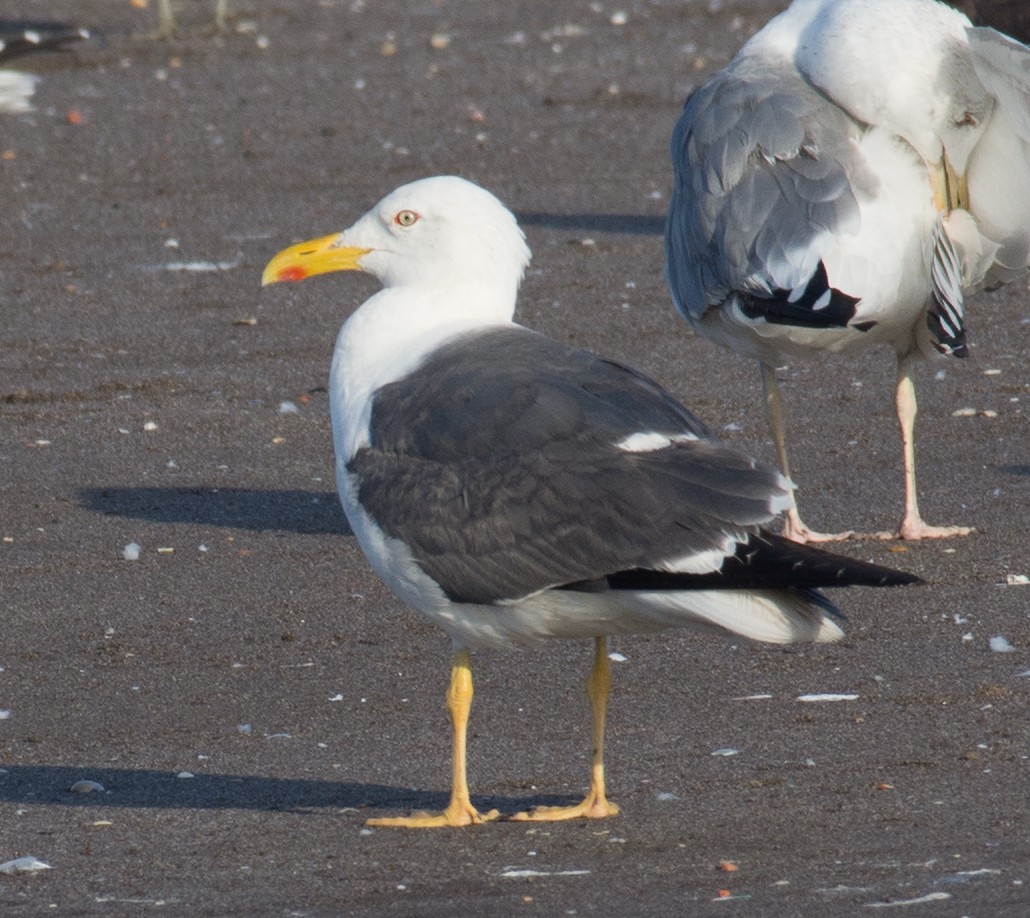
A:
x,y
857,170
512,488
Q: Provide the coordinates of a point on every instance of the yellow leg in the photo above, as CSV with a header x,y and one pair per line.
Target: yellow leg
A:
x,y
912,524
460,811
793,526
595,805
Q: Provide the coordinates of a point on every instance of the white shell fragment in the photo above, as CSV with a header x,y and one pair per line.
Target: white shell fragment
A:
x,y
828,696
919,900
86,787
131,552
288,408
1017,580
26,864
1000,644
520,873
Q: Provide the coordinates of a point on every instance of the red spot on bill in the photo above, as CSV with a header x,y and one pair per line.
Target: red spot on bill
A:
x,y
291,273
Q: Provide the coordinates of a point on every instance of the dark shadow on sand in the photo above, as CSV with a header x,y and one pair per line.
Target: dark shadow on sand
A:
x,y
1022,470
49,785
303,512
627,224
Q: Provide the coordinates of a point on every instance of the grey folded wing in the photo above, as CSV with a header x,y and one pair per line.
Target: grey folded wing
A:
x,y
767,171
507,466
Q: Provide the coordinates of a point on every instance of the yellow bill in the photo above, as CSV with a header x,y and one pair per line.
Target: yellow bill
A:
x,y
306,259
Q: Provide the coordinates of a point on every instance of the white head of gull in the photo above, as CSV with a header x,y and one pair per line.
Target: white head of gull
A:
x,y
512,488
856,171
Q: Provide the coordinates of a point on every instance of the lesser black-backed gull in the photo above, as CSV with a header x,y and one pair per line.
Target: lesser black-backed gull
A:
x,y
513,488
857,170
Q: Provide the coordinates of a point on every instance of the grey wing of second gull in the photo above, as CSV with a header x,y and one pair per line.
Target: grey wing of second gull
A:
x,y
766,171
1000,167
499,465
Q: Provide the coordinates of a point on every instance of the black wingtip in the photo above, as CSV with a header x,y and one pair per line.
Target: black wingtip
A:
x,y
818,568
25,36
769,561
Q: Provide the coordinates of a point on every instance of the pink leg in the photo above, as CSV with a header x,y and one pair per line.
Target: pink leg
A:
x,y
912,524
793,526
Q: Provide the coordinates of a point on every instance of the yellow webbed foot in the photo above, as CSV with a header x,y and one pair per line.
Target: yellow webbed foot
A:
x,y
453,816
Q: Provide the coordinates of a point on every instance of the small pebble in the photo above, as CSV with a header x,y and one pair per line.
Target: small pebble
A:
x,y
26,864
86,787
131,552
1000,644
828,696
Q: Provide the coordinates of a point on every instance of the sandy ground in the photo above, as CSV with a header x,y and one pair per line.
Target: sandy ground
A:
x,y
247,693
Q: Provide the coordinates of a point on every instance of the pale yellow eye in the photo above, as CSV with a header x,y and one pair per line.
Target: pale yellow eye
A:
x,y
406,218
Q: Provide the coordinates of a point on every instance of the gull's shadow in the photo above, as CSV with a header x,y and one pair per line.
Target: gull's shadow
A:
x,y
628,224
1023,470
49,785
304,512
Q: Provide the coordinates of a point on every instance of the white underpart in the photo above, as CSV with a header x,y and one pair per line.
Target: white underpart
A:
x,y
773,616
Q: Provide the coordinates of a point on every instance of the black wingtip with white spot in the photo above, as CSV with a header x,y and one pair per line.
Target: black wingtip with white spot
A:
x,y
946,317
816,305
25,36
